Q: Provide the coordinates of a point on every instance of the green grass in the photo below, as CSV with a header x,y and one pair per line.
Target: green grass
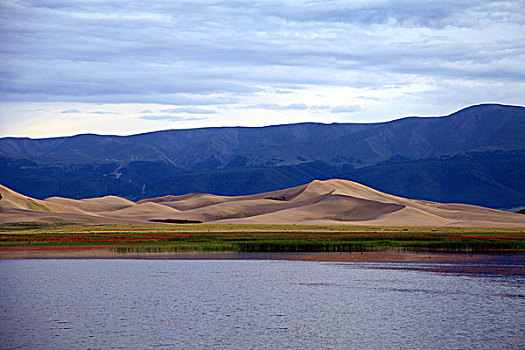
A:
x,y
263,238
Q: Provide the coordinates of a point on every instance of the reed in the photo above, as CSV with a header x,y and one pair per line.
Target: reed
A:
x,y
263,238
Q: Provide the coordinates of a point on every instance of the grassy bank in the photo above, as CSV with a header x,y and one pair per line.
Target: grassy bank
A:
x,y
264,238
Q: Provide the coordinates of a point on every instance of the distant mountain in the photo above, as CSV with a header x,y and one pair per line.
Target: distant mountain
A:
x,y
472,156
493,179
477,128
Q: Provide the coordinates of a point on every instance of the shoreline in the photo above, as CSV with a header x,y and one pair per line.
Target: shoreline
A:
x,y
445,263
104,252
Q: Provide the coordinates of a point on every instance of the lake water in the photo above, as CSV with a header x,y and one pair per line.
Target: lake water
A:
x,y
254,304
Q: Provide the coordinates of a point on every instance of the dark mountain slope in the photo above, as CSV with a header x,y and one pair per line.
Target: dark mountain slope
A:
x,y
413,157
484,127
493,179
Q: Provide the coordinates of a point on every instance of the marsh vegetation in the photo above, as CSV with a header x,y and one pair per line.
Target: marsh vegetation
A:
x,y
263,238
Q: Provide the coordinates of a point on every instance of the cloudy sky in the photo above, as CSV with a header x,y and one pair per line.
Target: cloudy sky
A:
x,y
124,67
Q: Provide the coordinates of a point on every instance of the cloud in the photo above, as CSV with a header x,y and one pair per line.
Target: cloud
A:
x,y
189,110
102,112
301,107
76,111
404,13
264,54
276,107
345,109
171,118
93,51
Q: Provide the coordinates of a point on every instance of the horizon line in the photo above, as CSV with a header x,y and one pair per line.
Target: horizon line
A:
x,y
267,126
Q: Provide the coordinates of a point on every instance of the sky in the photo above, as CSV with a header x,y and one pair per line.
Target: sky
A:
x,y
126,67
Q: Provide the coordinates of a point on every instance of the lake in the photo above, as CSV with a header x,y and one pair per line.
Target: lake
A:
x,y
254,304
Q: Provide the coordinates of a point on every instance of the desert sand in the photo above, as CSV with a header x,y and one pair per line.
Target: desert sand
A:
x,y
319,202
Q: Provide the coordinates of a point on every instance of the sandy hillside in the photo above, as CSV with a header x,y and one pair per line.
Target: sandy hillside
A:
x,y
319,202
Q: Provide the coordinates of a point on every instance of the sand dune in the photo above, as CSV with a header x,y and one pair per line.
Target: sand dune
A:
x,y
143,211
93,205
188,201
13,200
319,202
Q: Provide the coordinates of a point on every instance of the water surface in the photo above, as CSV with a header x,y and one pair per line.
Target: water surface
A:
x,y
254,304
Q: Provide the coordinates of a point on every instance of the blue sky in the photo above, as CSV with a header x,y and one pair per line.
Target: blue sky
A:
x,y
124,67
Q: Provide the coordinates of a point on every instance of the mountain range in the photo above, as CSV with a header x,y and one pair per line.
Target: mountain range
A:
x,y
474,156
318,202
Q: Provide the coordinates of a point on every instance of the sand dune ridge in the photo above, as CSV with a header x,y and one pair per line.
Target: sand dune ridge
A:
x,y
319,202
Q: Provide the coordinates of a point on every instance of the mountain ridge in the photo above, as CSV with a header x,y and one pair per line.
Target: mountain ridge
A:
x,y
243,160
458,112
190,148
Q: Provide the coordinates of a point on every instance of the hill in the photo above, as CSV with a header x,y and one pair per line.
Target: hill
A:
x,y
479,145
477,128
318,202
